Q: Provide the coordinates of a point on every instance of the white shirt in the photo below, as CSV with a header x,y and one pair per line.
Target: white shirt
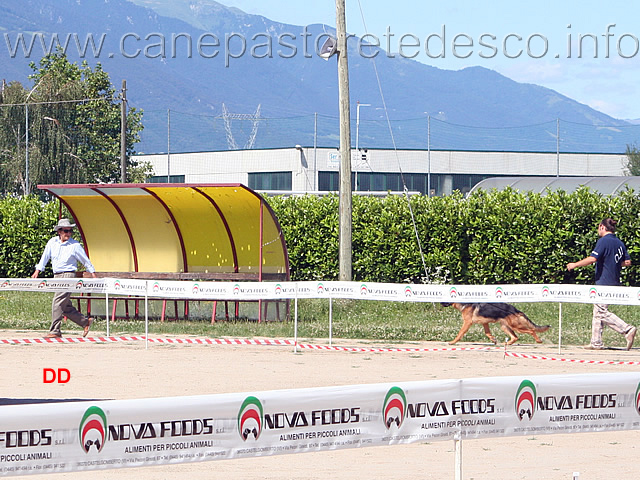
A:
x,y
64,256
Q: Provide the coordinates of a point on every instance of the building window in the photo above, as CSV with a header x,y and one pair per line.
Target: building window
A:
x,y
328,181
270,181
163,179
441,184
374,182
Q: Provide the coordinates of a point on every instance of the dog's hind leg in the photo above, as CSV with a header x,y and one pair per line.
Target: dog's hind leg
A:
x,y
535,336
512,336
487,332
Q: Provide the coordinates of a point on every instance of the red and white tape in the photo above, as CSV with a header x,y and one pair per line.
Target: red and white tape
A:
x,y
42,341
303,346
568,360
177,341
387,350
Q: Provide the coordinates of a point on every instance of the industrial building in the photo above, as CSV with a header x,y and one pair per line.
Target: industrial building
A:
x,y
308,169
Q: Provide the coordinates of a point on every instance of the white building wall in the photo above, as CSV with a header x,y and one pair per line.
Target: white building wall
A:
x,y
304,163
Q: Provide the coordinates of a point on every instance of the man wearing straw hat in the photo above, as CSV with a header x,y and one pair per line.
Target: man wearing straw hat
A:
x,y
64,253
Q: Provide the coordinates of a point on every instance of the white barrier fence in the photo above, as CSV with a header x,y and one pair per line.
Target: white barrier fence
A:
x,y
252,291
81,436
240,291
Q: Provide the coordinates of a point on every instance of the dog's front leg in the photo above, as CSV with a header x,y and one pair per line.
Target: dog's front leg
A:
x,y
465,328
487,332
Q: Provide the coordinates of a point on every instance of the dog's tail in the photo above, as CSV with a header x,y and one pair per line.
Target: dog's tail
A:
x,y
537,328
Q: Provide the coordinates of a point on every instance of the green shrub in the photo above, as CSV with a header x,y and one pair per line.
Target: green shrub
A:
x,y
488,238
26,224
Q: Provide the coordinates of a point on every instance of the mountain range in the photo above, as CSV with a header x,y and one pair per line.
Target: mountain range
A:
x,y
187,57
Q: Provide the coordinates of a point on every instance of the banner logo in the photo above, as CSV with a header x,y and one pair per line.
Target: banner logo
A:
x,y
236,289
394,407
79,284
638,399
545,291
93,429
6,283
42,284
363,289
278,289
526,399
321,289
453,292
250,418
195,289
593,293
499,292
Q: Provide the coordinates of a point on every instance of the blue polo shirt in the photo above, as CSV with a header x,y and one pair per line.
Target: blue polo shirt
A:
x,y
610,253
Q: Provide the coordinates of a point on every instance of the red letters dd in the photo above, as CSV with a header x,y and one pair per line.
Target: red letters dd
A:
x,y
49,375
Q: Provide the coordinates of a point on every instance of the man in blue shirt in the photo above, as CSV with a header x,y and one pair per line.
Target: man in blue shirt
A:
x,y
609,255
64,253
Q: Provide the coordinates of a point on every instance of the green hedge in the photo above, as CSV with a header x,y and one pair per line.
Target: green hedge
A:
x,y
487,238
26,224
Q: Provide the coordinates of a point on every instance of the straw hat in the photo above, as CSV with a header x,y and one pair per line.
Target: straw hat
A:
x,y
64,223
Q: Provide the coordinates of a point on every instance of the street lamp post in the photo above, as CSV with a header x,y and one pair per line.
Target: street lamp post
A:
x,y
429,155
26,139
357,137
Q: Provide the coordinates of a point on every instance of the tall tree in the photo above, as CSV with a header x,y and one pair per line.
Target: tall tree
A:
x,y
12,127
73,125
632,165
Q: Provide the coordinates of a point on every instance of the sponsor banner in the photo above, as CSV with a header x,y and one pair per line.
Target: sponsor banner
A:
x,y
126,286
90,285
471,293
381,291
209,290
425,293
337,290
76,436
516,293
329,289
23,284
80,285
286,290
169,289
253,290
617,295
564,293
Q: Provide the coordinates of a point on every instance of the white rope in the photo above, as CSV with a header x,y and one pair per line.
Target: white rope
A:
x,y
395,149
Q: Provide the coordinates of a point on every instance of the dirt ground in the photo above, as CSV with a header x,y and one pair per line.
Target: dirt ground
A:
x,y
125,370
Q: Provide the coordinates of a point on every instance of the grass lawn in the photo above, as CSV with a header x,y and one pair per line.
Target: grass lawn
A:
x,y
356,319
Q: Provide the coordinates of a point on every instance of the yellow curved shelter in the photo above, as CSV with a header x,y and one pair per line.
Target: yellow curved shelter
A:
x,y
177,230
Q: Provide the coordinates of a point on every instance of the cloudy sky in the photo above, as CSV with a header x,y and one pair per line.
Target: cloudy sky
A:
x,y
588,50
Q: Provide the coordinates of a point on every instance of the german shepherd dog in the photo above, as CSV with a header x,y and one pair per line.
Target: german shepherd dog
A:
x,y
510,318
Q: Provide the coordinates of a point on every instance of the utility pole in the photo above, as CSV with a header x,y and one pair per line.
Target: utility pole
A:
x,y
123,135
345,207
